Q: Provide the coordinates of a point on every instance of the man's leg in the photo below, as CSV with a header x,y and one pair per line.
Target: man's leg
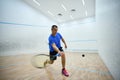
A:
x,y
63,61
50,61
52,58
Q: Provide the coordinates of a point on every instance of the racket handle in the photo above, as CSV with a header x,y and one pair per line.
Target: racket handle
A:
x,y
57,54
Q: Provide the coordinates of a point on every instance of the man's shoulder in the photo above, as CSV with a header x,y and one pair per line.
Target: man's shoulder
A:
x,y
58,33
50,37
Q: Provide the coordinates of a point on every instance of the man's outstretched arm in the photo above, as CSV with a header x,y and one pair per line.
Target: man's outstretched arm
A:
x,y
64,42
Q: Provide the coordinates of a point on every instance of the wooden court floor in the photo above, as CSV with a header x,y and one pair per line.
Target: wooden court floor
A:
x,y
90,67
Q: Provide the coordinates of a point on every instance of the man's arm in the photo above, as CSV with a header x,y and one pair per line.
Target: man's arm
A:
x,y
64,42
56,49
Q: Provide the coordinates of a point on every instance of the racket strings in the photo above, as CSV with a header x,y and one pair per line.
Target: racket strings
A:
x,y
40,61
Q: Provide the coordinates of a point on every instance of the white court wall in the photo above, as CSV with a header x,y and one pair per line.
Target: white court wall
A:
x,y
81,35
22,28
108,25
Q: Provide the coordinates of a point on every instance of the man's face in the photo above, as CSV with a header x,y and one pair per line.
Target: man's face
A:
x,y
54,30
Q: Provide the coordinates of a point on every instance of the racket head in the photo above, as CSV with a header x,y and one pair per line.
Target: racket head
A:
x,y
38,60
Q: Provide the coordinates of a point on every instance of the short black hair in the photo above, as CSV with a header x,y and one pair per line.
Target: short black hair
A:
x,y
54,26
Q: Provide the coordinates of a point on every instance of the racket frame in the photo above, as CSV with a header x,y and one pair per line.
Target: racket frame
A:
x,y
41,55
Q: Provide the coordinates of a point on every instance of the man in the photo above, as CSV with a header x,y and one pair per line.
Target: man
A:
x,y
55,47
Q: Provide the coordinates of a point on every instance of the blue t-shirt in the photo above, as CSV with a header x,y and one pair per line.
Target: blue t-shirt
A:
x,y
54,39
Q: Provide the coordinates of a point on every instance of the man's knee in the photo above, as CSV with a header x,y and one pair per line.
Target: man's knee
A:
x,y
63,55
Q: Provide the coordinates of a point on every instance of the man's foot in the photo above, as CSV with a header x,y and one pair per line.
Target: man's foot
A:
x,y
64,72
